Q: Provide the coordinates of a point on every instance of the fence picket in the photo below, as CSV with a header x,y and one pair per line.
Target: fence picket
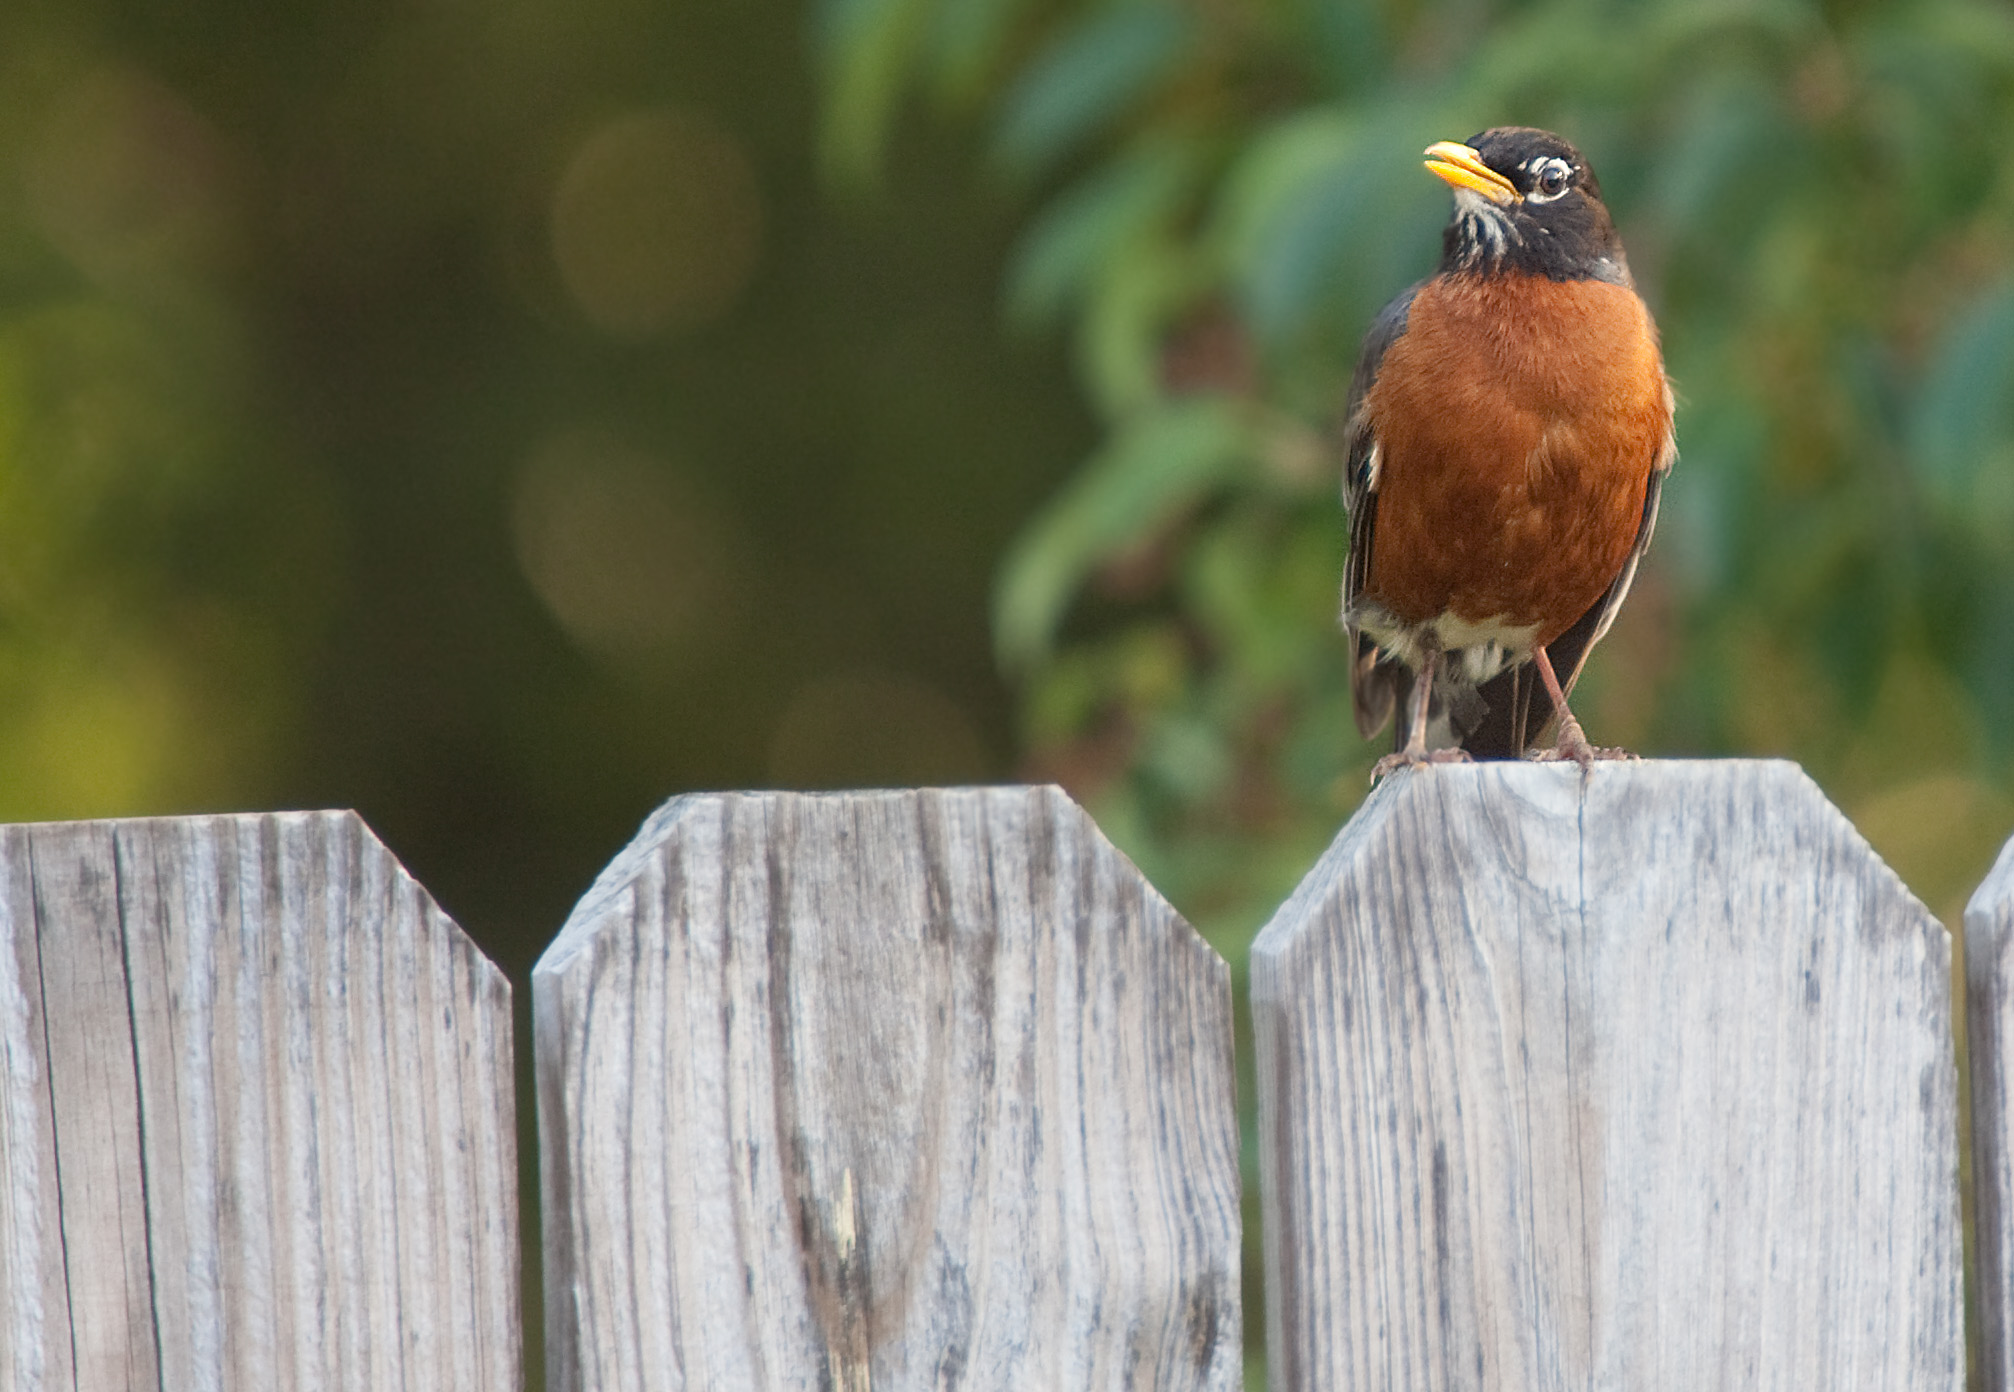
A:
x,y
899,1090
1989,1025
1643,1081
256,1118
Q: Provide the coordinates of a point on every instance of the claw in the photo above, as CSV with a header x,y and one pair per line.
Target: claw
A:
x,y
1416,758
1573,745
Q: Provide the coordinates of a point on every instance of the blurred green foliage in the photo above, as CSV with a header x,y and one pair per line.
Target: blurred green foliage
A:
x,y
1819,205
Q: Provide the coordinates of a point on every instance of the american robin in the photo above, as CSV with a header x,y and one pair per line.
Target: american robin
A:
x,y
1508,432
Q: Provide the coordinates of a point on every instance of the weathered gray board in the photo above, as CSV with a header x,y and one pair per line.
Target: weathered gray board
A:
x,y
255,1119
1644,1082
901,1090
1989,1019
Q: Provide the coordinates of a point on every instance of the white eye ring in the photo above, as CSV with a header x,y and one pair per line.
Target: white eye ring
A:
x,y
1552,178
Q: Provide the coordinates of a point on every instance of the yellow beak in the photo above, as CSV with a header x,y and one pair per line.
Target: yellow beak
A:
x,y
1462,167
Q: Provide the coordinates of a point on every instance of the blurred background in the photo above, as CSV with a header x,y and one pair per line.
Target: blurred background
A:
x,y
501,417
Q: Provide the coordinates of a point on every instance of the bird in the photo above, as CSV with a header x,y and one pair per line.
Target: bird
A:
x,y
1506,439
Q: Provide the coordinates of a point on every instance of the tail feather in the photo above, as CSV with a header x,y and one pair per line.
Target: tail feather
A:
x,y
1452,712
1519,712
1377,683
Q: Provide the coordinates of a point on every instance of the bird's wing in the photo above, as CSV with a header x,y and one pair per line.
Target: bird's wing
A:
x,y
1618,591
1373,684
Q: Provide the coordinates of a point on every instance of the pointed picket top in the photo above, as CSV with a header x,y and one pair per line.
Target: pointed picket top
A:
x,y
256,1129
1989,1026
1641,1080
899,1089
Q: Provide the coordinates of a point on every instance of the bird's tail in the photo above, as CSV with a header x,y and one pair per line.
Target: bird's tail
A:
x,y
1517,710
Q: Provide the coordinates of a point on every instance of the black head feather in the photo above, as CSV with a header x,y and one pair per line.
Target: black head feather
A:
x,y
1555,225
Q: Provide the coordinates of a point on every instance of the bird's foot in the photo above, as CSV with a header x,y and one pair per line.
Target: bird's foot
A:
x,y
1573,745
1587,755
1414,758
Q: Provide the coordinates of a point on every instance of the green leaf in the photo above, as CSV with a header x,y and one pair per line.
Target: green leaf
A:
x,y
1964,412
1275,166
869,48
1120,336
1086,229
1731,156
1544,50
966,38
1328,214
1086,78
1982,34
1155,466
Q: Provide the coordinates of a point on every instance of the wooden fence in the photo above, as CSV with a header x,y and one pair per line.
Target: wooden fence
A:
x,y
1644,1080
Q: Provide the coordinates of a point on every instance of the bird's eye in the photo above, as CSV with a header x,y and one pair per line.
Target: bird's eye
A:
x,y
1554,178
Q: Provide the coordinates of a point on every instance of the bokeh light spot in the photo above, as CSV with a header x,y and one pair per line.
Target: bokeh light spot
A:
x,y
873,729
626,551
128,178
656,223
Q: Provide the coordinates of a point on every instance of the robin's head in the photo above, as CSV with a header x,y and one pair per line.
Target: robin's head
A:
x,y
1526,201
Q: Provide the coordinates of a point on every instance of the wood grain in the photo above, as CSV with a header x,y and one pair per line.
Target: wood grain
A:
x,y
1641,1082
256,1123
1989,1025
888,1090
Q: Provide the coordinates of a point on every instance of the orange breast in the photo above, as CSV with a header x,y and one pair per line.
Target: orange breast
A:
x,y
1518,420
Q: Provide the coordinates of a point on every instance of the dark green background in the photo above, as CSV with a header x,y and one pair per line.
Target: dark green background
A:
x,y
282,338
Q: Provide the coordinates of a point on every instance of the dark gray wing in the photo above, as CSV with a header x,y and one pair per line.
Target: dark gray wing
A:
x,y
1569,671
1374,683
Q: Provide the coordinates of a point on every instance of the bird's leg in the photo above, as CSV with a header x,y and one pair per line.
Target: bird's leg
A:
x,y
1572,743
1422,697
1416,752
